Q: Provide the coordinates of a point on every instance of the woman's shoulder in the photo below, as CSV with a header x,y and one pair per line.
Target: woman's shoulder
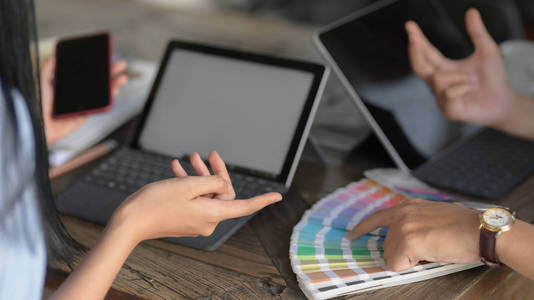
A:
x,y
22,247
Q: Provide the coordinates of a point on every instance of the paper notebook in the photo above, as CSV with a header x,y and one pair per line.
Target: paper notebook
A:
x,y
328,265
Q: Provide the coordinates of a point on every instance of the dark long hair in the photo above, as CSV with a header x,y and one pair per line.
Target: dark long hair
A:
x,y
18,41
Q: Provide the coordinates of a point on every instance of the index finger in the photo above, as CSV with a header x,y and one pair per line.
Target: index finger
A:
x,y
381,218
240,208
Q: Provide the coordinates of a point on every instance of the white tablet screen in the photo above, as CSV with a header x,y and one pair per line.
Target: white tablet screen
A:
x,y
246,111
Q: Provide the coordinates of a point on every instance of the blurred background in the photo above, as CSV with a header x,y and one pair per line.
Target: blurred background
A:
x,y
142,28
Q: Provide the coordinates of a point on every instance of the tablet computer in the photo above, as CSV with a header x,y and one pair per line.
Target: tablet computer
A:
x,y
368,50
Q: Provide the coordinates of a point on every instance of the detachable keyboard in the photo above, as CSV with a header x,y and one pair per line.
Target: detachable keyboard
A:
x,y
97,194
128,169
489,165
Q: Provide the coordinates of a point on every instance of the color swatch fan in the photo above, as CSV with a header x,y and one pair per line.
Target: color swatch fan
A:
x,y
328,265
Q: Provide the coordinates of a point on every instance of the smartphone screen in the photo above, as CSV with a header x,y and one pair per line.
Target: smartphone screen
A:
x,y
82,79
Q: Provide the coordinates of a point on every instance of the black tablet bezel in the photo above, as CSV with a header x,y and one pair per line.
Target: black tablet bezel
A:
x,y
405,156
318,71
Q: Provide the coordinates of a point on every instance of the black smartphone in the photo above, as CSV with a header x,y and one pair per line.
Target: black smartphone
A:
x,y
83,75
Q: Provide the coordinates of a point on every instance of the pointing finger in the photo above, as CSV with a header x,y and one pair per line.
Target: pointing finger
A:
x,y
379,219
240,208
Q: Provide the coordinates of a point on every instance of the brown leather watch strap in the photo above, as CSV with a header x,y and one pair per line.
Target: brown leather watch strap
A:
x,y
488,240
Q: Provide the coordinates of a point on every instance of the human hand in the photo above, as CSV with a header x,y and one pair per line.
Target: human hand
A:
x,y
56,129
474,89
186,205
218,166
421,230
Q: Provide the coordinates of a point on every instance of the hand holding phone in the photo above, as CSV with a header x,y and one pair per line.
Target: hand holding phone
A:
x,y
83,75
56,126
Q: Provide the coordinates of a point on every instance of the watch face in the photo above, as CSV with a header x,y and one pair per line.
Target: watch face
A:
x,y
498,217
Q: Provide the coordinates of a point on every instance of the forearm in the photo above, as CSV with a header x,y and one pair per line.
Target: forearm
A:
x,y
521,120
514,248
93,277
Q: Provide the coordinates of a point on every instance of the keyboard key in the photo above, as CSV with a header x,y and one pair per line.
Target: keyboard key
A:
x,y
127,170
489,165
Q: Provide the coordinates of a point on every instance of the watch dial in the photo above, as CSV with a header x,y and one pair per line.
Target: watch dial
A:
x,y
497,217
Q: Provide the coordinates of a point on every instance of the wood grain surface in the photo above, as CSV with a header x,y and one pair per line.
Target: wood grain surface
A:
x,y
254,263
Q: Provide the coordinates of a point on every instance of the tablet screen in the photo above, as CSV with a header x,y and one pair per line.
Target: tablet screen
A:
x,y
372,53
247,111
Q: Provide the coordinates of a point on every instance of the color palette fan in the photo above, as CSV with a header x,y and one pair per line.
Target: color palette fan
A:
x,y
329,265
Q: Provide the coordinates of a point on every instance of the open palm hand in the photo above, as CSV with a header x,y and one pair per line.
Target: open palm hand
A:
x,y
474,89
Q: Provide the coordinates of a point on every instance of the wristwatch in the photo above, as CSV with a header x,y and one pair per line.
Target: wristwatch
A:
x,y
493,222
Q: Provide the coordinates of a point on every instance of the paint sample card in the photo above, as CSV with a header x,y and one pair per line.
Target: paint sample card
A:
x,y
328,265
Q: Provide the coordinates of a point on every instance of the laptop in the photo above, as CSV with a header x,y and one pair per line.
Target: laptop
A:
x,y
255,110
368,50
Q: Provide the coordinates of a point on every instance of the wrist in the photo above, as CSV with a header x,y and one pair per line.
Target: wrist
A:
x,y
518,121
495,226
506,239
122,224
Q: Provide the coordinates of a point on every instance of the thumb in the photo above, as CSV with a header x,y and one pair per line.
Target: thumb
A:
x,y
424,57
398,261
478,32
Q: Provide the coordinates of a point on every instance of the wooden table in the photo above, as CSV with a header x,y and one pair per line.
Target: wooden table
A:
x,y
254,263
